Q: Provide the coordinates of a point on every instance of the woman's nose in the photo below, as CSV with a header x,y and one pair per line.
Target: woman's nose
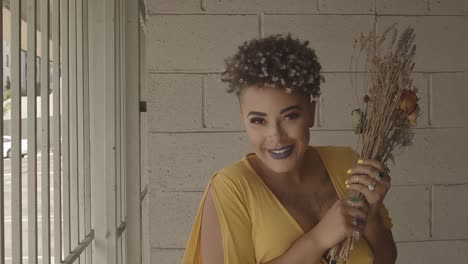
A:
x,y
275,131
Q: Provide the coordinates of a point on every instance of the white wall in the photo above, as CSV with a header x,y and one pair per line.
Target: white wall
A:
x,y
194,127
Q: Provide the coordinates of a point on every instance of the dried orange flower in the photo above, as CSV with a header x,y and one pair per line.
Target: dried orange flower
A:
x,y
414,115
408,101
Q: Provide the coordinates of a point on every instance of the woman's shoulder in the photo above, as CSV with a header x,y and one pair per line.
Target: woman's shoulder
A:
x,y
238,175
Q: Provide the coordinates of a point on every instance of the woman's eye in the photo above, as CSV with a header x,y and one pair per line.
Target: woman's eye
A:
x,y
256,121
292,116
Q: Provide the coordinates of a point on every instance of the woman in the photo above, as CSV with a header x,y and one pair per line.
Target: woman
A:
x,y
286,201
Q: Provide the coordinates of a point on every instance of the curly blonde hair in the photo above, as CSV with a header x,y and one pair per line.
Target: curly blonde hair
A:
x,y
274,61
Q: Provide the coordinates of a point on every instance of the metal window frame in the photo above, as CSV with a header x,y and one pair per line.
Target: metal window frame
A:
x,y
97,75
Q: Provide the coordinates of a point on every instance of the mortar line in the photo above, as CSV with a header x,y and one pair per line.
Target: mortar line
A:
x,y
221,130
429,102
431,213
214,71
203,101
261,22
375,16
433,240
320,112
248,13
203,5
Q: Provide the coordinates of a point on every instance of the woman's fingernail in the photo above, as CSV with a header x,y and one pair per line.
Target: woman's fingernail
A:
x,y
346,182
347,186
349,171
359,161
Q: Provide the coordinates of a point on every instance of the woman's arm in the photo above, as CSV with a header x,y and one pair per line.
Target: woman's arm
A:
x,y
211,242
380,240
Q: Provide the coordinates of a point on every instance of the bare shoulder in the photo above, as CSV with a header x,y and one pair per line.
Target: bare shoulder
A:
x,y
211,233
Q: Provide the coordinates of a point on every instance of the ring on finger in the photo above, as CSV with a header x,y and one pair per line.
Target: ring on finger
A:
x,y
356,234
356,221
352,201
379,176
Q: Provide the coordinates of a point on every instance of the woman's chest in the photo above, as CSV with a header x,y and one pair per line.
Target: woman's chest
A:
x,y
309,204
280,219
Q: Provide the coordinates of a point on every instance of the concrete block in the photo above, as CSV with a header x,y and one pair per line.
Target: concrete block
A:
x,y
196,42
174,102
174,5
437,156
432,252
333,138
441,40
402,6
222,109
449,94
343,6
166,256
340,96
408,207
449,6
262,5
332,36
171,218
186,161
449,213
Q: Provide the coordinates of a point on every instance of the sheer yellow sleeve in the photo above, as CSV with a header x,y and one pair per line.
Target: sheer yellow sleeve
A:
x,y
236,227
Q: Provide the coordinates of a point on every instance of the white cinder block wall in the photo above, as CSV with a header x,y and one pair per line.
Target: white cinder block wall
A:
x,y
194,127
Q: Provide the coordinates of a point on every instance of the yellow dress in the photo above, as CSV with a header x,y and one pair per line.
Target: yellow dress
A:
x,y
255,226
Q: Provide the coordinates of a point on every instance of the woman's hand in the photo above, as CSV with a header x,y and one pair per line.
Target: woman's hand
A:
x,y
369,177
337,223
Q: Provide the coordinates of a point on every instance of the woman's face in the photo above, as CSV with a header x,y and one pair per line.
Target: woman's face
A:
x,y
276,120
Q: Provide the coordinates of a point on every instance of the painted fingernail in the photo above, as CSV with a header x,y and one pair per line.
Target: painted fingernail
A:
x,y
349,171
359,161
347,186
346,182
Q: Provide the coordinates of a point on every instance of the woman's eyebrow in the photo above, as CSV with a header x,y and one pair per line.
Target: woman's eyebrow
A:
x,y
282,111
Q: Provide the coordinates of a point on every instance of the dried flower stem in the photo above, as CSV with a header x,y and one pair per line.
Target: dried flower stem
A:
x,y
384,125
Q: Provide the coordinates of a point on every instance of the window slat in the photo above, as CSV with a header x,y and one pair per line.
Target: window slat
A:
x,y
86,128
65,126
16,179
80,121
31,128
45,148
2,174
56,150
73,126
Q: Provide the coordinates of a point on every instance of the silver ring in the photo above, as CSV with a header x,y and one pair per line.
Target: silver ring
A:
x,y
356,234
355,221
379,176
371,187
352,201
